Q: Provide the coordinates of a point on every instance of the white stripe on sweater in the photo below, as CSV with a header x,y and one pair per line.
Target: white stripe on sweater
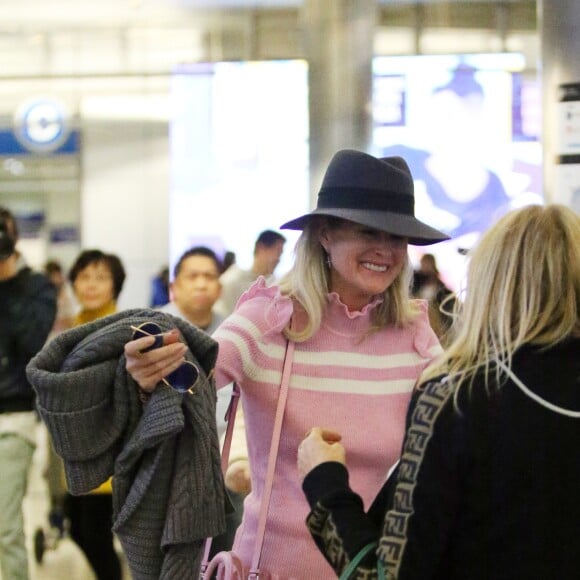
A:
x,y
331,357
342,360
336,385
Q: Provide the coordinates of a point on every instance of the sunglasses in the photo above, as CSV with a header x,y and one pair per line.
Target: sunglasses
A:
x,y
184,378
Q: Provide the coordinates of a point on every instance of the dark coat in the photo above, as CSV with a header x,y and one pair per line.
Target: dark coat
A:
x,y
27,313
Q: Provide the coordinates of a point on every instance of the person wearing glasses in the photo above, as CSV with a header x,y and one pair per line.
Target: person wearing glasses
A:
x,y
361,344
487,486
97,279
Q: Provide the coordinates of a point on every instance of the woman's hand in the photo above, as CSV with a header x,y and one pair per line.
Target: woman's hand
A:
x,y
319,445
237,477
148,368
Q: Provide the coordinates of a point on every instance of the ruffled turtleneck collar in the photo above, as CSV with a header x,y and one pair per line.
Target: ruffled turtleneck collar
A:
x,y
337,316
340,319
334,298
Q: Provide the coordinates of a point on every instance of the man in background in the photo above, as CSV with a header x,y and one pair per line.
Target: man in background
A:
x,y
27,313
195,289
268,249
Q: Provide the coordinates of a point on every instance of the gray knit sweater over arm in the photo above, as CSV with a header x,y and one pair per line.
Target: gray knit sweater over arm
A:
x,y
168,490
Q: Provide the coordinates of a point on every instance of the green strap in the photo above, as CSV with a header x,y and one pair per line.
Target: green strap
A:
x,y
381,570
353,564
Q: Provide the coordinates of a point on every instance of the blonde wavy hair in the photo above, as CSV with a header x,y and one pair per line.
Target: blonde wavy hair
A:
x,y
307,283
523,287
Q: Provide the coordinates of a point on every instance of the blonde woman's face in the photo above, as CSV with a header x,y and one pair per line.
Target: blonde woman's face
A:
x,y
365,261
94,287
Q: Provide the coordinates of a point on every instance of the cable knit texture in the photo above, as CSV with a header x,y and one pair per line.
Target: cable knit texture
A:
x,y
344,378
168,491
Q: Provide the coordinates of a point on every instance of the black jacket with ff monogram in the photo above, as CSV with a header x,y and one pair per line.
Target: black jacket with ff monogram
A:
x,y
487,490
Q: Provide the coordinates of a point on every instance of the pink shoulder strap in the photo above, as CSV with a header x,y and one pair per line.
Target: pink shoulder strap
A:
x,y
272,457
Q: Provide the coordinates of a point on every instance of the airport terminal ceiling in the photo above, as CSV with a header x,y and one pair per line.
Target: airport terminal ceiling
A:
x,y
110,63
18,17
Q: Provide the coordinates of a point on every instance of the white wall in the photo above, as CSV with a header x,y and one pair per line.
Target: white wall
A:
x,y
125,191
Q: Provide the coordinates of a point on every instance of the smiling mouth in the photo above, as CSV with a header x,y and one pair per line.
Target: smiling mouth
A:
x,y
374,267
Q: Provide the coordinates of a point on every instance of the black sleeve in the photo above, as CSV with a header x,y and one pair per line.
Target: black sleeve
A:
x,y
33,315
337,522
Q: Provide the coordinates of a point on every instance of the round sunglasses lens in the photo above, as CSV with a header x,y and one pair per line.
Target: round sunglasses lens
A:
x,y
149,329
183,378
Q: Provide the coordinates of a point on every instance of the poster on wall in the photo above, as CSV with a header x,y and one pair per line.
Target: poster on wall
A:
x,y
468,126
239,155
568,137
567,170
567,182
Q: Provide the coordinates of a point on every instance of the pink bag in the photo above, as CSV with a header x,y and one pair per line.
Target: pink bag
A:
x,y
227,565
224,565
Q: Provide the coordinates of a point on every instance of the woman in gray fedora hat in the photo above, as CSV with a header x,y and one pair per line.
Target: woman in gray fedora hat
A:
x,y
360,345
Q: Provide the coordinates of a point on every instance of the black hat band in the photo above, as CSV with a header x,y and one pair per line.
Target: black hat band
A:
x,y
362,198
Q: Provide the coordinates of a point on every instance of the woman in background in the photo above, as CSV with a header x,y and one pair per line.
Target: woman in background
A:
x,y
487,486
97,280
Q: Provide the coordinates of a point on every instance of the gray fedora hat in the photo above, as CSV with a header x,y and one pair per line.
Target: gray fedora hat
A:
x,y
378,193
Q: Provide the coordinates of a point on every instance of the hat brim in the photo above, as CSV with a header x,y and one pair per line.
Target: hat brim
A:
x,y
417,232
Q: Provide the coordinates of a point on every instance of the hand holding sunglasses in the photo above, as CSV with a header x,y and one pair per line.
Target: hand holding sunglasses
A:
x,y
184,378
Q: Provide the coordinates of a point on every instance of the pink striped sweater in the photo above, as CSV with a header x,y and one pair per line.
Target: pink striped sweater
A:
x,y
342,379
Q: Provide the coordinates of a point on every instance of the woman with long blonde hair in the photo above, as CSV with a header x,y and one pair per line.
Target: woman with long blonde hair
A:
x,y
489,473
523,288
360,345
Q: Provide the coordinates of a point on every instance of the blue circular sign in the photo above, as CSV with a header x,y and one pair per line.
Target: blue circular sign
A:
x,y
41,125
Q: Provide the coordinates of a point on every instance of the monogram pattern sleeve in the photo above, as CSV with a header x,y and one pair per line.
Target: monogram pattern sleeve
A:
x,y
426,494
338,522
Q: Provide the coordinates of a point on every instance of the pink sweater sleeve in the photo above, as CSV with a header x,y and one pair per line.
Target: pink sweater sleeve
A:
x,y
261,312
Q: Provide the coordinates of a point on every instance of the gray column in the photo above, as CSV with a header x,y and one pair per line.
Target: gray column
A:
x,y
338,42
558,25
